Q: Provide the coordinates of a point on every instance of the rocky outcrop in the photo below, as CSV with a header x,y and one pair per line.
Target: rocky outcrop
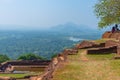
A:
x,y
109,34
89,44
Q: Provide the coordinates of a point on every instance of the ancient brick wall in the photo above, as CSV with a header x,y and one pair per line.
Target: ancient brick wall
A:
x,y
118,50
24,65
89,44
111,43
105,50
85,44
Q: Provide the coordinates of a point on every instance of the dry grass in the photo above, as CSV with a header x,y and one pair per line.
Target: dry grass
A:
x,y
96,67
104,40
115,65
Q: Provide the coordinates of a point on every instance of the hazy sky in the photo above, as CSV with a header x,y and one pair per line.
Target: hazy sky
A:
x,y
47,13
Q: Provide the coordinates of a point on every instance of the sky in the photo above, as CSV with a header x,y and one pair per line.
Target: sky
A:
x,y
47,13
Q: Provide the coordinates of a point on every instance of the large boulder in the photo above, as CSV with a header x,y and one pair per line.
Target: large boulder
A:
x,y
115,35
107,34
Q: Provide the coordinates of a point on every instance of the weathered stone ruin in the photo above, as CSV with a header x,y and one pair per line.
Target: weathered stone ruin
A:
x,y
25,65
89,44
55,63
71,51
104,50
111,45
85,44
47,66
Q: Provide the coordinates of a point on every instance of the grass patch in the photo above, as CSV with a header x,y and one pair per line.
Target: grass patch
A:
x,y
19,76
97,67
70,72
100,41
115,65
100,56
75,57
14,75
104,40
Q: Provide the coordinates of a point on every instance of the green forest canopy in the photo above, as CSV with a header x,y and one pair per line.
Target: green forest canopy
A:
x,y
108,11
30,56
4,58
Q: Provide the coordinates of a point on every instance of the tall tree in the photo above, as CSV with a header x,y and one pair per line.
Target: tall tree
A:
x,y
108,11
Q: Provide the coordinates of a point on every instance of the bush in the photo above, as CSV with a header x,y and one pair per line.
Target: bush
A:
x,y
54,55
3,58
30,56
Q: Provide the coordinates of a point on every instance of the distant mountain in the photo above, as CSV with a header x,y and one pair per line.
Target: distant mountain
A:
x,y
71,27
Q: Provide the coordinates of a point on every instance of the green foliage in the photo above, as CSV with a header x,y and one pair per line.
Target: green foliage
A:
x,y
14,75
54,55
30,56
43,43
4,58
19,76
108,11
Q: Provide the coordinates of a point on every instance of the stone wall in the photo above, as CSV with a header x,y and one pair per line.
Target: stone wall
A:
x,y
85,44
109,46
111,43
89,44
105,50
25,64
